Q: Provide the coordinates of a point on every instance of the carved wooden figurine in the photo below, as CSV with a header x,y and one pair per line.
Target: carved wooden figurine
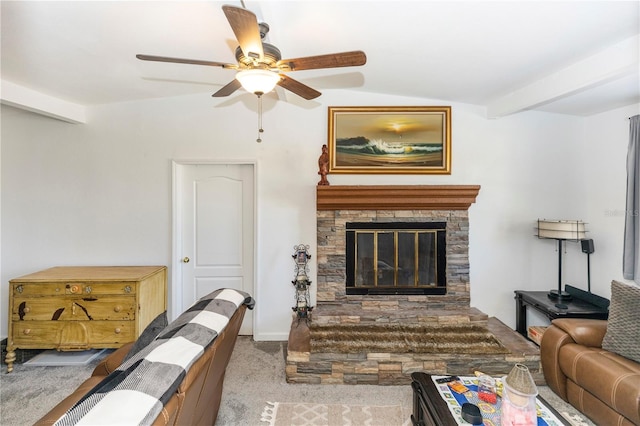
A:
x,y
323,165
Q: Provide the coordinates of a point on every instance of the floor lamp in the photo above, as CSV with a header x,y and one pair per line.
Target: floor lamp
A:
x,y
560,230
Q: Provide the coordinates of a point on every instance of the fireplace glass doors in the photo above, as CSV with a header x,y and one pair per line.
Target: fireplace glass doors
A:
x,y
396,258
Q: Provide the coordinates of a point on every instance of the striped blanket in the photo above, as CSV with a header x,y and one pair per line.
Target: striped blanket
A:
x,y
136,392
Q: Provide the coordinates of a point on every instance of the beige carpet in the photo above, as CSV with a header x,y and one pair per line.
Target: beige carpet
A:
x,y
255,375
309,414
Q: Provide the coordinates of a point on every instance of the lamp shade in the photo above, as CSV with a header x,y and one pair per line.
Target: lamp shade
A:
x,y
561,229
258,81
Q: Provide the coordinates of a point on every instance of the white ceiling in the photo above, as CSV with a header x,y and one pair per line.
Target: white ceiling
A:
x,y
570,57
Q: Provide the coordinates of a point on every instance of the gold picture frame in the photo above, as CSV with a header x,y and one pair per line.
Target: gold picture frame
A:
x,y
390,140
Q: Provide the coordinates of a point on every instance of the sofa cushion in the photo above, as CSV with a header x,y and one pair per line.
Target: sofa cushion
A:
x,y
149,334
592,407
612,378
623,334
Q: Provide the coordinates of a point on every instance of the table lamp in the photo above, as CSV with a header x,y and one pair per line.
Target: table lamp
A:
x,y
560,230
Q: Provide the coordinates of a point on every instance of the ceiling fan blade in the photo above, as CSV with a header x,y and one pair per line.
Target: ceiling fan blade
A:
x,y
185,61
298,88
228,89
245,26
333,60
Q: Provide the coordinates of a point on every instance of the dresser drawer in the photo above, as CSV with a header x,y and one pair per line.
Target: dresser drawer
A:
x,y
72,288
72,334
73,308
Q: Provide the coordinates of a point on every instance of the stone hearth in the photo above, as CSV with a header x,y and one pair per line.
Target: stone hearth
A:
x,y
339,205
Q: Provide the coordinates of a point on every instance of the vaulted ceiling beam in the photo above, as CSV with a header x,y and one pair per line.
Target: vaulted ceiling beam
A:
x,y
617,61
21,97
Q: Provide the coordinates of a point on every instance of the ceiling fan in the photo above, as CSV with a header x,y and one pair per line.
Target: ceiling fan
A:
x,y
260,64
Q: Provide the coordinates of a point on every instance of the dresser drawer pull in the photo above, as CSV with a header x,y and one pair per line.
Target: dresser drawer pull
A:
x,y
26,331
118,331
118,308
26,310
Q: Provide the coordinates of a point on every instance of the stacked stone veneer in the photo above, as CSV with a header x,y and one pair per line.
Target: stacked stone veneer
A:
x,y
374,368
334,306
331,290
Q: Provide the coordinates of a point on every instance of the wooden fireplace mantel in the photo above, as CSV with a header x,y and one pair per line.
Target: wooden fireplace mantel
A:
x,y
396,197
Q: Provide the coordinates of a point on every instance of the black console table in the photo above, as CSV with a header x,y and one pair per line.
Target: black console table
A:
x,y
582,305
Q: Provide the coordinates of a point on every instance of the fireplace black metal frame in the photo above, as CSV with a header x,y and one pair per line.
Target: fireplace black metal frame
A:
x,y
439,289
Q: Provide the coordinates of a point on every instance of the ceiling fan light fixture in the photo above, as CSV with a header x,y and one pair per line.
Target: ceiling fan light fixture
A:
x,y
258,81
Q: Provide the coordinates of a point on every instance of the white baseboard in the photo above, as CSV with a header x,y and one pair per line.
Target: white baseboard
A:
x,y
270,337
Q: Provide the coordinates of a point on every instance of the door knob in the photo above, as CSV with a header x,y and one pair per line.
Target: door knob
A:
x,y
186,260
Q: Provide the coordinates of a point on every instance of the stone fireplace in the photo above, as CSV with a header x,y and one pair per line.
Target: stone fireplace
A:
x,y
339,206
427,302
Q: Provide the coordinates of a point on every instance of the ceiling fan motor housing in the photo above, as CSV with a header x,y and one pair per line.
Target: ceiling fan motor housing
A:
x,y
271,56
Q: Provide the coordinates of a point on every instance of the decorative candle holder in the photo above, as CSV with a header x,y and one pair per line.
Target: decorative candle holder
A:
x,y
519,398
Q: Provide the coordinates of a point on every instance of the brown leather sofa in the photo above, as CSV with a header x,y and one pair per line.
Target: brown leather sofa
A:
x,y
197,399
601,384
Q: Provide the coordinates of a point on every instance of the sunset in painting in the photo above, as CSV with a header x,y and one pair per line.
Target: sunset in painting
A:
x,y
392,128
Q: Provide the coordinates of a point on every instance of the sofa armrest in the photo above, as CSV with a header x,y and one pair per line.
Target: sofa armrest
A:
x,y
585,332
553,339
563,331
58,411
113,361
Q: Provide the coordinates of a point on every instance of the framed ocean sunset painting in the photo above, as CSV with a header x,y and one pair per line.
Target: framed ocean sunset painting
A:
x,y
408,139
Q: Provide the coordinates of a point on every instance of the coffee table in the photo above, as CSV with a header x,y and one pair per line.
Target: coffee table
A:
x,y
430,408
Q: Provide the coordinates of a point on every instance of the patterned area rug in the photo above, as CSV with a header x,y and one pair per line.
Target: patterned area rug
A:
x,y
574,419
308,414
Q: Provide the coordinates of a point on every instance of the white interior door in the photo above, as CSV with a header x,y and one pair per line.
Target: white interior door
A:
x,y
215,223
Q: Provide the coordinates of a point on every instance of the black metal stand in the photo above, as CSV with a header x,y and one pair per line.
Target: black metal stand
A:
x,y
589,272
559,294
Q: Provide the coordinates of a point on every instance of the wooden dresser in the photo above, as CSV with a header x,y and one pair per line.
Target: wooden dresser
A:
x,y
72,308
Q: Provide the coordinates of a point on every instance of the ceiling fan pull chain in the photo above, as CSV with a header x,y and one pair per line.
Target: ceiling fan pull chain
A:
x,y
260,129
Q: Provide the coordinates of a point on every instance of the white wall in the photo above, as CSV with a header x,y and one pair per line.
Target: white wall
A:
x,y
100,193
605,178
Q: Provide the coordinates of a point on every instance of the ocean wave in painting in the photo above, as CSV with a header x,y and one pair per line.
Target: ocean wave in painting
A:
x,y
362,152
380,147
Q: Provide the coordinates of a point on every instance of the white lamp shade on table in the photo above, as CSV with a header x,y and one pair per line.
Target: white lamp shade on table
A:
x,y
561,229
